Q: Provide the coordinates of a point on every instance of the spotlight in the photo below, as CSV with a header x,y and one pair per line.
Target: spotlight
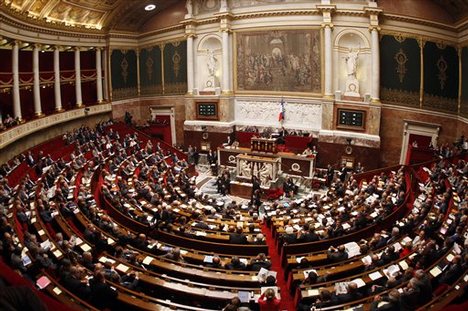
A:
x,y
150,7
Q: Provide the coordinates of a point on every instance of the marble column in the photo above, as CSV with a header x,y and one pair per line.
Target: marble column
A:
x,y
99,75
57,86
190,66
16,91
36,82
79,100
106,75
328,61
375,96
226,72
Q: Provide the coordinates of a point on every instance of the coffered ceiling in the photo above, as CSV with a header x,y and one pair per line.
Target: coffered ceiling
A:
x,y
99,14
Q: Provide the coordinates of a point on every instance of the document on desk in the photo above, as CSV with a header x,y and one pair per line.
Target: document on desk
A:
x,y
244,296
375,276
403,265
208,259
435,271
353,249
367,260
147,260
313,292
359,282
123,268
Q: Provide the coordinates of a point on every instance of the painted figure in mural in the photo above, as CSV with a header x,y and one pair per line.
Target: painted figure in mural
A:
x,y
351,62
211,62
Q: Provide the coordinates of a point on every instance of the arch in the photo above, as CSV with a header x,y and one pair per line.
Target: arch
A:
x,y
211,40
345,36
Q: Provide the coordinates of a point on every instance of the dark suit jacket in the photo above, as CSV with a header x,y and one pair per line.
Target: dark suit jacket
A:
x,y
237,238
102,295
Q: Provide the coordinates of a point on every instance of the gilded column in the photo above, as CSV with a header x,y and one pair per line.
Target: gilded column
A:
x,y
375,52
106,74
36,82
373,11
327,11
190,66
16,91
328,61
225,28
138,72
79,100
226,57
57,90
99,75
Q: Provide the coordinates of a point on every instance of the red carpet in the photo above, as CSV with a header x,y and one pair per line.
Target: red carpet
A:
x,y
287,302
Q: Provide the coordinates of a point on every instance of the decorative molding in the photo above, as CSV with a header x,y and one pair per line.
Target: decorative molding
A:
x,y
23,21
418,21
35,125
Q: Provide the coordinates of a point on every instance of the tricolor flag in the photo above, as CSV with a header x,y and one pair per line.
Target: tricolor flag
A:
x,y
281,114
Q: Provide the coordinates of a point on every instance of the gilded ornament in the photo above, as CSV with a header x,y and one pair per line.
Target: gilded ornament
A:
x,y
124,67
441,45
149,67
401,59
399,37
176,64
442,66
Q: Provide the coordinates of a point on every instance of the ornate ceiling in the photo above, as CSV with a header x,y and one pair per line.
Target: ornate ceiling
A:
x,y
457,8
128,15
97,14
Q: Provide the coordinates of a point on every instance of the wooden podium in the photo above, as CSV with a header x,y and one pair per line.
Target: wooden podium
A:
x,y
259,144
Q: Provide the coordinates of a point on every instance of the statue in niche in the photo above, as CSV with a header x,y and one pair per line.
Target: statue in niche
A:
x,y
351,62
211,63
352,83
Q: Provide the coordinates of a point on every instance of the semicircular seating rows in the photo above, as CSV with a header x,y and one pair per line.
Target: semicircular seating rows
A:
x,y
109,218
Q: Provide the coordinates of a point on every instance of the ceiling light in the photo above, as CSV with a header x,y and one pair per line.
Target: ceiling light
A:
x,y
150,7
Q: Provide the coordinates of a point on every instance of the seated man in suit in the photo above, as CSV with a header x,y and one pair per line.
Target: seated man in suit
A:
x,y
389,303
337,255
236,237
351,295
411,296
260,262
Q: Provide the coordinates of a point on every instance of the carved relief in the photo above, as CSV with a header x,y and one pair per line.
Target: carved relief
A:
x,y
265,112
